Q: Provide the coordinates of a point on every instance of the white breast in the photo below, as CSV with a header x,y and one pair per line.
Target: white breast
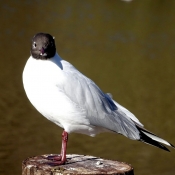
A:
x,y
39,79
43,82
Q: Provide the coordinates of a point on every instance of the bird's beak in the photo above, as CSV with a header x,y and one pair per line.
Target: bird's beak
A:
x,y
42,51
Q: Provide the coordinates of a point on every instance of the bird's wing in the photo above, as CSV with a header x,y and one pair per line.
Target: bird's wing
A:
x,y
98,106
127,113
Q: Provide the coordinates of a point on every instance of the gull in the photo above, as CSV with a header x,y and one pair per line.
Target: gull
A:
x,y
74,102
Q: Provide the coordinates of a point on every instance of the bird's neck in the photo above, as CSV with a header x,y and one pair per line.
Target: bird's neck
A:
x,y
57,60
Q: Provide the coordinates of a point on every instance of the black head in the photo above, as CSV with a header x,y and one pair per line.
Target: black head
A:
x,y
43,46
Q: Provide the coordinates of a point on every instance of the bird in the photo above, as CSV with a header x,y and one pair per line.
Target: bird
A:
x,y
65,96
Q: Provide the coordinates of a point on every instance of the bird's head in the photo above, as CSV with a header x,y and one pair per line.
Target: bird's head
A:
x,y
43,46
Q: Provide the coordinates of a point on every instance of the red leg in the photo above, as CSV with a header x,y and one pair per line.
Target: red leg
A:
x,y
64,146
60,160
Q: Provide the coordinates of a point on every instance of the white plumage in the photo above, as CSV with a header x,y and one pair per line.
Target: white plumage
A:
x,y
69,99
74,102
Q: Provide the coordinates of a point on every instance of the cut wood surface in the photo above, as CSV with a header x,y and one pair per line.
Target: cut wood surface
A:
x,y
75,164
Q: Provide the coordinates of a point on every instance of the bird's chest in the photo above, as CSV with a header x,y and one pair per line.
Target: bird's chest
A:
x,y
40,87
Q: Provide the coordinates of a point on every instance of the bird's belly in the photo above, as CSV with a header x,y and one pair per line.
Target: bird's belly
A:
x,y
57,110
54,104
44,100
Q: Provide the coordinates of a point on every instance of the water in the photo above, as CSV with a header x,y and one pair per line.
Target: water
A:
x,y
126,48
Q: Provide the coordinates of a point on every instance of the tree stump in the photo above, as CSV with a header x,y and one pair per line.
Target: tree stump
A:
x,y
75,164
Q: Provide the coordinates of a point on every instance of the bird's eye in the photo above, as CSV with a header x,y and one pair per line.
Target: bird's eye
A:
x,y
34,44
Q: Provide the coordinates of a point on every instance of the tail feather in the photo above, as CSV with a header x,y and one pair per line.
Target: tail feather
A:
x,y
150,138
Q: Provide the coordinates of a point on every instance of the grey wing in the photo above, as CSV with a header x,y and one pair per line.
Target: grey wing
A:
x,y
100,108
110,116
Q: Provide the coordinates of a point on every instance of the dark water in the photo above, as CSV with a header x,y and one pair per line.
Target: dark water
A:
x,y
128,49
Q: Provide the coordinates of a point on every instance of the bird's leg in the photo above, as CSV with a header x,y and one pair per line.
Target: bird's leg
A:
x,y
64,146
60,160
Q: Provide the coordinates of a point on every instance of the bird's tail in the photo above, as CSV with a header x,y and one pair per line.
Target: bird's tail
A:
x,y
151,139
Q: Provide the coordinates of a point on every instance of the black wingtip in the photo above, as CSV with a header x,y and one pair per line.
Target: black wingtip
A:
x,y
172,145
148,140
165,148
156,144
144,138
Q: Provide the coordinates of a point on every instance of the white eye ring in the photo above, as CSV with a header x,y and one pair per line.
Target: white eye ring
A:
x,y
34,44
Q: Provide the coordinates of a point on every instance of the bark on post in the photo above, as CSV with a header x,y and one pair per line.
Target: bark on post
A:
x,y
76,164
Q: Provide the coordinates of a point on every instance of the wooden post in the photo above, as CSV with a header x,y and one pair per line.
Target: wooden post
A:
x,y
75,164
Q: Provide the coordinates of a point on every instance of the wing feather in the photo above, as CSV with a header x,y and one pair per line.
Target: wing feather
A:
x,y
99,107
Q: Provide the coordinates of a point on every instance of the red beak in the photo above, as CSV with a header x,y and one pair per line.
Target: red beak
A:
x,y
42,51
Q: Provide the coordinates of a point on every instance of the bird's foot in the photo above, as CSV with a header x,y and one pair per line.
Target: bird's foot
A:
x,y
54,158
56,163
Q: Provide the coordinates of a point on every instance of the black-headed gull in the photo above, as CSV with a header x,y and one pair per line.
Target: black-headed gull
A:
x,y
74,102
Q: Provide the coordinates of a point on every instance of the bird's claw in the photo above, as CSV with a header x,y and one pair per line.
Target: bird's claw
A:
x,y
55,163
54,158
